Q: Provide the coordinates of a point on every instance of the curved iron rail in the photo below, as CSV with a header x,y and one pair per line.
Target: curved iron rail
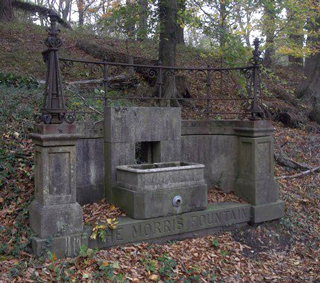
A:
x,y
54,109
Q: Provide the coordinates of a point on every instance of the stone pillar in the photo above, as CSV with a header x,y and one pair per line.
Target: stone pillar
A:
x,y
255,183
55,214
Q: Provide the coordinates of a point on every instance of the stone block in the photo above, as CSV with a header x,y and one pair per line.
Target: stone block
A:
x,y
267,212
138,124
63,246
119,125
51,220
116,154
148,190
256,183
156,203
55,174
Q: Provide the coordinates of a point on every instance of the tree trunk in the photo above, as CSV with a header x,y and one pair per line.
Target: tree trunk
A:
x,y
296,61
130,21
309,90
80,4
167,47
222,24
65,8
180,28
143,27
6,11
269,30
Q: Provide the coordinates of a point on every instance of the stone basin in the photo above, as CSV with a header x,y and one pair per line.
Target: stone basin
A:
x,y
160,189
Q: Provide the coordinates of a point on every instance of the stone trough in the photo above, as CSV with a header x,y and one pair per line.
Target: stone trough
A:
x,y
160,189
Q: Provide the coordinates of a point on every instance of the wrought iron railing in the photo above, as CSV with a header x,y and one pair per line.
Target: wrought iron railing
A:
x,y
209,92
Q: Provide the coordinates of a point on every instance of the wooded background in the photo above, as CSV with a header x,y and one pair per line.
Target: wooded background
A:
x,y
289,29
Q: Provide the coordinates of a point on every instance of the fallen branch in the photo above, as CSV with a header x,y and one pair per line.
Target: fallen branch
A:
x,y
87,105
115,82
299,174
283,160
286,162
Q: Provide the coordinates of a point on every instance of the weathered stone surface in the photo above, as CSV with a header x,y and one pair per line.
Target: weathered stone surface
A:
x,y
156,203
146,193
133,124
116,154
227,127
256,183
63,246
48,220
219,155
56,129
190,224
55,210
126,126
267,212
55,168
90,170
90,129
163,176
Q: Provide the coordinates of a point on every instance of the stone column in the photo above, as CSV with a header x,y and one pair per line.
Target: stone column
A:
x,y
55,214
255,183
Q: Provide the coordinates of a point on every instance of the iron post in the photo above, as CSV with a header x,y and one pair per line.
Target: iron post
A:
x,y
256,60
54,110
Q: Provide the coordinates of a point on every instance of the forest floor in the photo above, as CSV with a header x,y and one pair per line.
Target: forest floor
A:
x,y
286,250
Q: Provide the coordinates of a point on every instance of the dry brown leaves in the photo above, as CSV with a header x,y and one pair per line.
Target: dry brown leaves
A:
x,y
100,212
217,195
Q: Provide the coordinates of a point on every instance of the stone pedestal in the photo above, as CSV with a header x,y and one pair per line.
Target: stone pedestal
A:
x,y
255,182
55,212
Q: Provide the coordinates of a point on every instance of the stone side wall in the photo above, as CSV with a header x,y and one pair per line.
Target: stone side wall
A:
x,y
216,144
90,162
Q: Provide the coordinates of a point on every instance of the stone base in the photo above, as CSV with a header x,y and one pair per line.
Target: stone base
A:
x,y
267,212
257,192
217,217
65,246
157,203
58,220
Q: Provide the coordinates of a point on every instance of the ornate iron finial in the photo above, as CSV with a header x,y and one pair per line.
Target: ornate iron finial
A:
x,y
256,52
54,110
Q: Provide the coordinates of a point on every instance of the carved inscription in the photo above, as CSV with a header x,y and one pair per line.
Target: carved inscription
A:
x,y
160,227
217,218
157,228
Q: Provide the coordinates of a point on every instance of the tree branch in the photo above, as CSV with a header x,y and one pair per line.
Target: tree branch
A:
x,y
33,8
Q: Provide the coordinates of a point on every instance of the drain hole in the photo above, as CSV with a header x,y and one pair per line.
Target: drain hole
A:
x,y
177,201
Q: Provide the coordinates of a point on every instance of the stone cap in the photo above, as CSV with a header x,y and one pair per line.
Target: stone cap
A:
x,y
54,139
227,127
160,167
